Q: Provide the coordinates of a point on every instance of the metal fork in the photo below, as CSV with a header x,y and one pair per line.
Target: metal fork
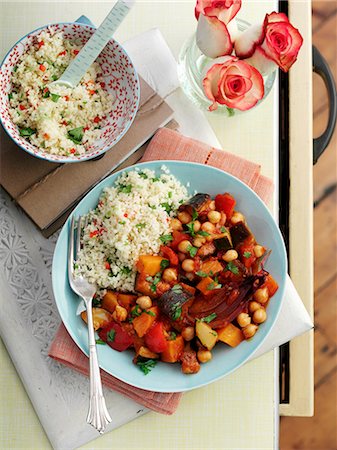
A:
x,y
98,415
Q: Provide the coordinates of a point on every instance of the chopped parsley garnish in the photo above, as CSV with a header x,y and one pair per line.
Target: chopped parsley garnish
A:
x,y
143,175
203,233
169,194
155,281
54,97
155,179
122,222
100,342
76,135
177,289
125,188
46,93
136,311
15,68
167,207
165,238
111,335
232,267
151,206
164,263
247,254
223,229
96,301
172,336
10,96
146,365
209,318
190,229
125,271
213,285
194,215
192,251
176,311
140,225
202,274
54,77
26,132
150,313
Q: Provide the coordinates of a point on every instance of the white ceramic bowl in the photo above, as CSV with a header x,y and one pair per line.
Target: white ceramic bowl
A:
x,y
120,78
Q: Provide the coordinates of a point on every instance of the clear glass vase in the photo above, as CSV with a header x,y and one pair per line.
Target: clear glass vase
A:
x,y
191,65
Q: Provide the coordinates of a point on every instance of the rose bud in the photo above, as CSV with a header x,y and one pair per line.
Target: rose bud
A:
x,y
233,83
274,43
214,32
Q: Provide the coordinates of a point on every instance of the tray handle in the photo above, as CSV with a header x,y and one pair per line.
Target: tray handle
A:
x,y
321,67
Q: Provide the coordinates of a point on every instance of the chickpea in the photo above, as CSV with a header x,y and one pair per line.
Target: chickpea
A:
x,y
261,295
176,224
197,226
120,314
204,356
144,302
208,227
260,316
184,217
181,256
188,265
170,274
258,250
199,241
187,333
249,330
214,216
237,217
230,255
211,206
253,306
243,319
184,245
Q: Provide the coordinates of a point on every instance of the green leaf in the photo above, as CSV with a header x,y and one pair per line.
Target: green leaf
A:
x,y
136,311
223,229
247,254
96,302
232,267
146,365
231,112
151,206
213,285
46,94
167,207
172,336
26,132
194,215
100,342
156,280
54,98
169,194
143,175
10,96
76,135
125,271
203,233
15,68
111,335
209,318
192,251
125,188
176,311
140,226
201,274
54,77
164,263
177,289
165,238
155,179
190,229
150,313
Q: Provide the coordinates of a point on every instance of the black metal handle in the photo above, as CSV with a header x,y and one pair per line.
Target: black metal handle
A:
x,y
321,67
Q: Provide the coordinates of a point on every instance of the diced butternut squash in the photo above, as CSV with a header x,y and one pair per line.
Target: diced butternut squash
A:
x,y
101,317
149,264
211,267
205,285
109,301
174,350
206,334
142,285
271,285
146,353
127,300
144,322
231,335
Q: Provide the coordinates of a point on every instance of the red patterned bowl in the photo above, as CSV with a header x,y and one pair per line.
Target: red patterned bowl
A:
x,y
120,78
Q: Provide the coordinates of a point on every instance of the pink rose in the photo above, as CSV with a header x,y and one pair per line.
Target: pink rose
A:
x,y
213,37
233,83
274,43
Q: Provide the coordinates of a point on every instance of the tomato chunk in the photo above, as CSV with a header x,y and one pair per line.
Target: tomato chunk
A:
x,y
225,203
247,255
168,253
117,338
271,285
155,339
177,238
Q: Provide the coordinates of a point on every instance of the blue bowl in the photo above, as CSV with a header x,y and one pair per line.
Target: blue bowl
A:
x,y
168,377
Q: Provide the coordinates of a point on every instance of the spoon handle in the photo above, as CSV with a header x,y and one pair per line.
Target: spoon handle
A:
x,y
77,68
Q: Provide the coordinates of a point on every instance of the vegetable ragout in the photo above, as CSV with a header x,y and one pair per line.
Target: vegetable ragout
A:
x,y
206,285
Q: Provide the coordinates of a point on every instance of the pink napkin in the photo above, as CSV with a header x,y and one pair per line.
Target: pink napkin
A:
x,y
166,144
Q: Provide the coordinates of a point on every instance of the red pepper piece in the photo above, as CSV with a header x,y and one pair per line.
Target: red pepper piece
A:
x,y
168,253
76,52
40,44
225,203
247,255
22,108
97,119
117,338
42,68
155,339
62,53
73,150
107,266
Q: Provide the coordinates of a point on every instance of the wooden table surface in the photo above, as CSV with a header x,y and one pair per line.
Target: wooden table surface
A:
x,y
319,432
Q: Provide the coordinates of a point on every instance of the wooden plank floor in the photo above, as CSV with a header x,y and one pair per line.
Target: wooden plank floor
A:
x,y
319,432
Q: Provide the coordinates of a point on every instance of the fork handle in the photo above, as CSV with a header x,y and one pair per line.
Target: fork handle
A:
x,y
98,415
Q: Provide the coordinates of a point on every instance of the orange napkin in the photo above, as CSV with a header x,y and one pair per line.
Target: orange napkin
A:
x,y
166,144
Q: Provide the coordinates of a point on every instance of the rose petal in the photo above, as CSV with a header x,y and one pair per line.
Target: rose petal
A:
x,y
277,17
210,84
246,43
224,10
213,38
262,62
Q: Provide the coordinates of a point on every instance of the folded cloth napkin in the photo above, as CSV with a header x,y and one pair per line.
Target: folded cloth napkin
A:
x,y
166,144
